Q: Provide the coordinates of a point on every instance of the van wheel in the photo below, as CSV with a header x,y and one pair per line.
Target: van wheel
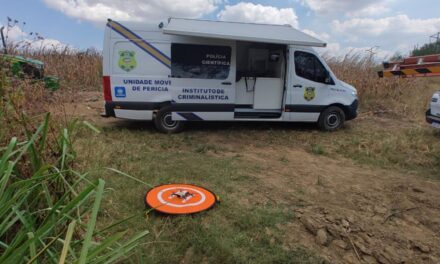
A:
x,y
164,122
331,119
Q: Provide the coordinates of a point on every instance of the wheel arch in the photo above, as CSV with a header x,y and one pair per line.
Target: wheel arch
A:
x,y
161,105
343,108
323,120
350,110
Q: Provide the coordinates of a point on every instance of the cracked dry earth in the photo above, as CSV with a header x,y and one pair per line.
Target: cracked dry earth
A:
x,y
348,213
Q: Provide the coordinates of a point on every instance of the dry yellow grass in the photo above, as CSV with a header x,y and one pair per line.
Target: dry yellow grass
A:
x,y
79,70
24,100
399,97
82,69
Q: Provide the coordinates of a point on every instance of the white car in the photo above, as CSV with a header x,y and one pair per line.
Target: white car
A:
x,y
433,114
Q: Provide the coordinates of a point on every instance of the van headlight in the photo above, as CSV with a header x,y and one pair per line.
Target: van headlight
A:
x,y
354,93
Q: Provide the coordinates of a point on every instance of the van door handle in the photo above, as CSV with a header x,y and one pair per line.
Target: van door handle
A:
x,y
226,83
297,86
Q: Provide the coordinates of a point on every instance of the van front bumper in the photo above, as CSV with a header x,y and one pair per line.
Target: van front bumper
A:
x,y
352,110
432,118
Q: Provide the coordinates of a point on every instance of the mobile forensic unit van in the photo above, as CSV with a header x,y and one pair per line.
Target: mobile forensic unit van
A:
x,y
198,70
433,113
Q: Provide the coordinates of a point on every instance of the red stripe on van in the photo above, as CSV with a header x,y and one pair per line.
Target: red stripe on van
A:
x,y
107,88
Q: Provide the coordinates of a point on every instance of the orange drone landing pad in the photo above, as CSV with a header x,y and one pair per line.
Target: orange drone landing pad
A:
x,y
180,199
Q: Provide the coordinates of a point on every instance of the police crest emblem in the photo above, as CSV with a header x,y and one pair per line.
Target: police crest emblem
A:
x,y
127,60
309,93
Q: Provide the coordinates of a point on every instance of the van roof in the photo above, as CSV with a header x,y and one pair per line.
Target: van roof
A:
x,y
279,34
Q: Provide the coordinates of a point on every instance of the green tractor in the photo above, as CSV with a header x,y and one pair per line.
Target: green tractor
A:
x,y
27,67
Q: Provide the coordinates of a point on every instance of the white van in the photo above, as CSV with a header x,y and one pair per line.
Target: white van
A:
x,y
433,113
198,70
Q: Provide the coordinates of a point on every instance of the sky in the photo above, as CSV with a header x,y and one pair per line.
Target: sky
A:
x,y
387,26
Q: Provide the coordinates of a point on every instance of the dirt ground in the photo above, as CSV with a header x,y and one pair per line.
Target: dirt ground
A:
x,y
350,213
346,213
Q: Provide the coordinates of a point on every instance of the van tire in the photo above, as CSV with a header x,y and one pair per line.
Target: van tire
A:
x,y
331,119
163,122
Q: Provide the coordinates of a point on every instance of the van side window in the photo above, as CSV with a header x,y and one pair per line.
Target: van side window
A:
x,y
200,61
308,66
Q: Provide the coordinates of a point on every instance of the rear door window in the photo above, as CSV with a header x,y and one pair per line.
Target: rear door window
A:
x,y
200,61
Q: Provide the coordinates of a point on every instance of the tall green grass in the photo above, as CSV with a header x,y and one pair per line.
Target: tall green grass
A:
x,y
49,211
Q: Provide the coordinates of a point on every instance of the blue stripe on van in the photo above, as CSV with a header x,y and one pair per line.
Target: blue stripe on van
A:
x,y
191,116
141,43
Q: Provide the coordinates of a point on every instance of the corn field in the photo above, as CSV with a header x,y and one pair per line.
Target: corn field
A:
x,y
403,97
79,70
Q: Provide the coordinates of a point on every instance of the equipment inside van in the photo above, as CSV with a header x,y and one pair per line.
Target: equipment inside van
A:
x,y
199,70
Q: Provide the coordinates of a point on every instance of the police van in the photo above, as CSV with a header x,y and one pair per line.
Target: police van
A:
x,y
198,70
433,113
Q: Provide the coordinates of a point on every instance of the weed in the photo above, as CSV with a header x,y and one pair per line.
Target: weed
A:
x,y
317,149
49,211
284,159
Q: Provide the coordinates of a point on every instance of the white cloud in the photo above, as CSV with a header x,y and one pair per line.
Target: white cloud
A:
x,y
400,24
397,33
351,8
375,9
332,49
335,50
48,45
14,33
256,13
133,10
15,36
